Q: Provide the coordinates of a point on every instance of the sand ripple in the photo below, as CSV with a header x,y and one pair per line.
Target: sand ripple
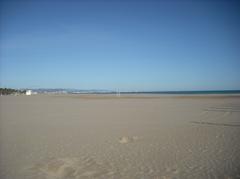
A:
x,y
72,168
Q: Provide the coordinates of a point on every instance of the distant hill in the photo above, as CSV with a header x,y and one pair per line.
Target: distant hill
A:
x,y
69,91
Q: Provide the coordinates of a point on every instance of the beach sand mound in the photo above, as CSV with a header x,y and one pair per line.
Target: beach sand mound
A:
x,y
127,139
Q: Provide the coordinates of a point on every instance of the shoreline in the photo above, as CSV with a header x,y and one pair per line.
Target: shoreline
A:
x,y
132,96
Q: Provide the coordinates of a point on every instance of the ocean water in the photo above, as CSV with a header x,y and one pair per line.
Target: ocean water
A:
x,y
187,92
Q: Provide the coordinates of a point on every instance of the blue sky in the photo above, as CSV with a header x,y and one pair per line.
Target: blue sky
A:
x,y
126,45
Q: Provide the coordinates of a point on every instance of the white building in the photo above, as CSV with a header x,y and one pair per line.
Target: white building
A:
x,y
29,92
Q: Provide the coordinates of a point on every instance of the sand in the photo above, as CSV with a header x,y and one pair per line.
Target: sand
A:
x,y
127,137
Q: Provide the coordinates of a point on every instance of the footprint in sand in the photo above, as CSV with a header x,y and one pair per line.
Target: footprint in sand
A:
x,y
72,168
127,139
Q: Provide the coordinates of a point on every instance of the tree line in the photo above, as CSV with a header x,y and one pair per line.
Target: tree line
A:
x,y
8,91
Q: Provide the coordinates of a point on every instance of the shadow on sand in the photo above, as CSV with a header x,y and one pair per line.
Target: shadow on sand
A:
x,y
216,124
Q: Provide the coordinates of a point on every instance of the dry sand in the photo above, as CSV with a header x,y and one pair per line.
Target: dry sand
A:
x,y
130,137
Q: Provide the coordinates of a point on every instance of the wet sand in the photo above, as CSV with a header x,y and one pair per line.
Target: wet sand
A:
x,y
127,137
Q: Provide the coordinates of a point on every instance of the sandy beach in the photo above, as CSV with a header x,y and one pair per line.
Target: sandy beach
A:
x,y
127,137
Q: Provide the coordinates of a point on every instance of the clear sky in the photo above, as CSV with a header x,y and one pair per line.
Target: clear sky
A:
x,y
126,45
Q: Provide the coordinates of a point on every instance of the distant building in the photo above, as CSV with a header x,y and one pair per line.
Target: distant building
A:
x,y
29,92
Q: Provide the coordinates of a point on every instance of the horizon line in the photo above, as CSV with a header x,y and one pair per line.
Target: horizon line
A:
x,y
111,90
